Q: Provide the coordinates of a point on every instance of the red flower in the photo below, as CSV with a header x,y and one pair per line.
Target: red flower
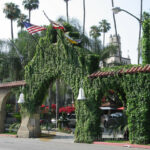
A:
x,y
53,106
67,109
42,105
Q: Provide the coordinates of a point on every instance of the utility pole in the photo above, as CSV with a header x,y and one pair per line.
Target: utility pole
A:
x,y
140,28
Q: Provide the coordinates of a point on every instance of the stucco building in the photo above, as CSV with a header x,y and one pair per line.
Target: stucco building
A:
x,y
114,59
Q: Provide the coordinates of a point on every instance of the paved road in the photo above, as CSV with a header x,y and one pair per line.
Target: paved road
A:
x,y
58,142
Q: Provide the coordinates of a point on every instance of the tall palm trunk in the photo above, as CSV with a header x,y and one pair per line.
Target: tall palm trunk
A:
x,y
29,15
140,28
95,44
67,11
12,34
119,48
103,40
83,16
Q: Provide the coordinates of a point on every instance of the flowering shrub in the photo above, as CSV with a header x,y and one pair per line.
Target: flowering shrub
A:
x,y
67,109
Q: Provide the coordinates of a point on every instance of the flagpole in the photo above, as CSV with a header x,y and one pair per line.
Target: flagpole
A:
x,y
47,17
37,42
20,56
50,21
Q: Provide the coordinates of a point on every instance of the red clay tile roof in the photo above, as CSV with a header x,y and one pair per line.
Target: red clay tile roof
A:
x,y
12,84
122,71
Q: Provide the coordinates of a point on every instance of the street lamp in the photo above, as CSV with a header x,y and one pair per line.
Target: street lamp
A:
x,y
116,10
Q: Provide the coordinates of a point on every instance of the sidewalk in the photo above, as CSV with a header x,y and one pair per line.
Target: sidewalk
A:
x,y
124,145
60,137
69,138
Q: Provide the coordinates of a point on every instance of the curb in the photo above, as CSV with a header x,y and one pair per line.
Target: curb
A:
x,y
8,135
123,145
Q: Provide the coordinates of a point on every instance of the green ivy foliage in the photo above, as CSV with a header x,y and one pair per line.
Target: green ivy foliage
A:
x,y
137,88
135,96
146,39
60,59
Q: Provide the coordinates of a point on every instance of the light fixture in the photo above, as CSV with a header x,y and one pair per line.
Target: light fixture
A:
x,y
21,98
81,95
116,10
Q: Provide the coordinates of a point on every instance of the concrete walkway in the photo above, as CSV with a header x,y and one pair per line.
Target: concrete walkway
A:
x,y
58,137
124,145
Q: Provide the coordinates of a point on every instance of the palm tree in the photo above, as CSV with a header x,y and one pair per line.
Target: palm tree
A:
x,y
67,10
12,12
22,17
30,5
83,16
95,33
104,27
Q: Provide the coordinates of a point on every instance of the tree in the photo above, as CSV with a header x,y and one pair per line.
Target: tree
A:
x,y
12,12
95,33
22,17
104,27
67,10
30,5
146,39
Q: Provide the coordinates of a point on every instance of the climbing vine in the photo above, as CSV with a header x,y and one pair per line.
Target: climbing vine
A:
x,y
146,39
59,59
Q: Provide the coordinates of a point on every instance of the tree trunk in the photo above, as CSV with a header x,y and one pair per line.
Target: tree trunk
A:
x,y
29,15
12,34
57,100
140,27
95,45
67,12
119,48
83,16
50,96
103,40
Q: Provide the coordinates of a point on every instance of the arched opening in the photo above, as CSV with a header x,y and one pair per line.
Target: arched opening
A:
x,y
60,96
113,115
13,117
4,94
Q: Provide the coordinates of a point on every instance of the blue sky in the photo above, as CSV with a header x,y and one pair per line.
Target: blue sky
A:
x,y
96,10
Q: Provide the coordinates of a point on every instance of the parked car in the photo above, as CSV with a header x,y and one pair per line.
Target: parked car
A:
x,y
113,120
71,120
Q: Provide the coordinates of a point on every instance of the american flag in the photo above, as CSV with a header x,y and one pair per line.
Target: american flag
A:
x,y
33,28
57,25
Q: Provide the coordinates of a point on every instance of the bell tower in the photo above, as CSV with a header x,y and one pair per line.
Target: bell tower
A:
x,y
113,41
